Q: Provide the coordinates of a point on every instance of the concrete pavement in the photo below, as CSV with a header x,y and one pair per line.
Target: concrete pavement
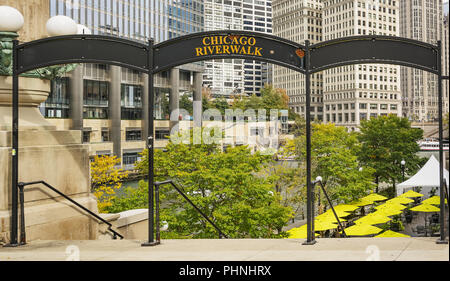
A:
x,y
327,249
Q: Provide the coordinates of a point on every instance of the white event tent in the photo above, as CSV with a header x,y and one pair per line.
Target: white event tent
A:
x,y
427,178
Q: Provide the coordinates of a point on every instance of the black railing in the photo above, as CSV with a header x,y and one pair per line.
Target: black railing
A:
x,y
157,185
21,186
331,206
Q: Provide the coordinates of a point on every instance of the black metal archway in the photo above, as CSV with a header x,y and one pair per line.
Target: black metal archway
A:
x,y
151,59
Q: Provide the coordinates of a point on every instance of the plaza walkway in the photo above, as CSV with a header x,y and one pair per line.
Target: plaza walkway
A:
x,y
327,249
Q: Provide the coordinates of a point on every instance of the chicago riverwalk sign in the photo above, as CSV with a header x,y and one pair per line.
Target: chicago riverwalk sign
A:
x,y
228,44
151,59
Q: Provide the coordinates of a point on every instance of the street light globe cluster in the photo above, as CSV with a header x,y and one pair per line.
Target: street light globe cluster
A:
x,y
11,20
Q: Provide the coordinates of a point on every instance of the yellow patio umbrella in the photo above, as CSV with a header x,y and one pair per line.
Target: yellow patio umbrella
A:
x,y
390,233
390,206
345,207
435,200
322,226
388,212
362,229
411,193
339,213
361,203
374,197
298,232
400,200
427,208
329,218
373,218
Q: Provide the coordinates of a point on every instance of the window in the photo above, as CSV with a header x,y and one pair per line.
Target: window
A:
x,y
57,103
133,135
95,99
105,134
129,158
363,116
162,134
86,136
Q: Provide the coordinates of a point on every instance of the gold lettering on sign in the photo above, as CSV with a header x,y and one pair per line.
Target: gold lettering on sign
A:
x,y
228,45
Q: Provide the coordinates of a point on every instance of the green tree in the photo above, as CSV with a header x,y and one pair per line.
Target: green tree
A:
x,y
334,158
186,103
385,142
221,104
224,185
289,182
299,126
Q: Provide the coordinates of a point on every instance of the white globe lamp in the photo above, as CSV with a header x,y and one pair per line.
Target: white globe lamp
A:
x,y
82,29
11,20
61,25
319,179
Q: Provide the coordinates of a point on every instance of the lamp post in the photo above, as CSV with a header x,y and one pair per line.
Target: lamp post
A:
x,y
403,169
11,21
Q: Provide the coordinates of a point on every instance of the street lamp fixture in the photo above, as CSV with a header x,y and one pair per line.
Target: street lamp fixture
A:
x,y
403,169
61,25
11,20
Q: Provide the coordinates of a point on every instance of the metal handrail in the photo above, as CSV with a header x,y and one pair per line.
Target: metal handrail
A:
x,y
157,184
21,185
331,206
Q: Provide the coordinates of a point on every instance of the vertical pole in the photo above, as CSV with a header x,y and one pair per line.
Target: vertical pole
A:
x,y
441,239
310,239
158,233
23,239
150,144
14,150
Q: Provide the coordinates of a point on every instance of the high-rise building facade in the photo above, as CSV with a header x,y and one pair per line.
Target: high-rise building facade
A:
x,y
358,92
236,76
257,16
420,20
299,20
108,103
224,76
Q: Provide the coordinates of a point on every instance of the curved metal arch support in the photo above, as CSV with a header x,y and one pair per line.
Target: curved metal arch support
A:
x,y
374,49
82,49
372,61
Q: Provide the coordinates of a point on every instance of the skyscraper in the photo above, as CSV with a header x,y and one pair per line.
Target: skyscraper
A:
x,y
223,76
357,92
235,76
420,20
299,21
257,16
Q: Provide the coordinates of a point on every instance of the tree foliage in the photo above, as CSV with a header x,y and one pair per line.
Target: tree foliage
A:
x,y
186,104
334,158
106,179
224,185
385,142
